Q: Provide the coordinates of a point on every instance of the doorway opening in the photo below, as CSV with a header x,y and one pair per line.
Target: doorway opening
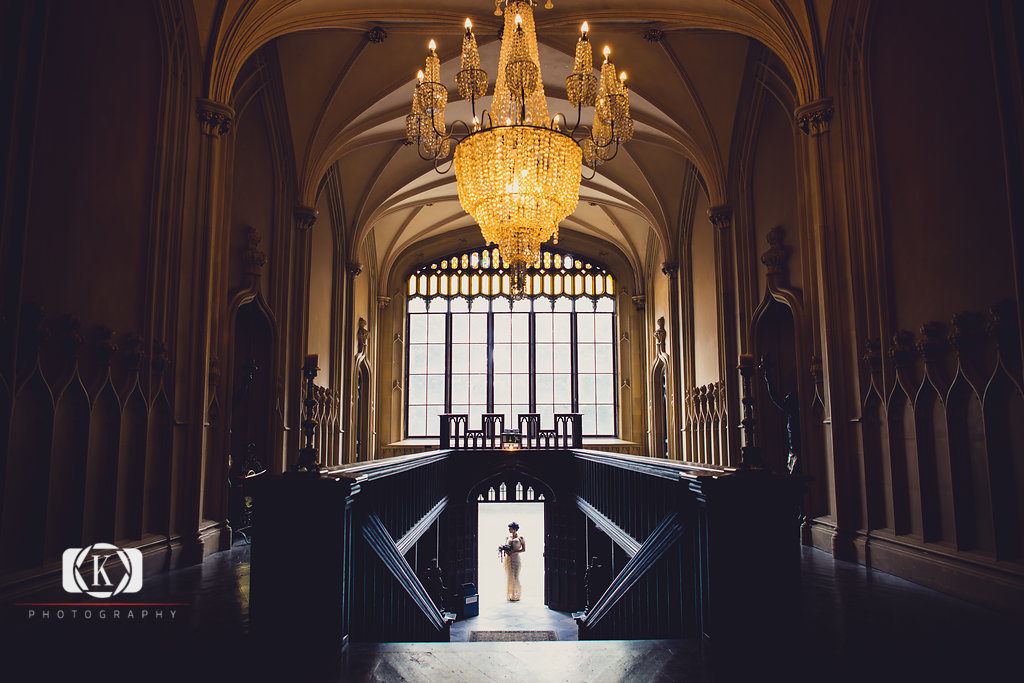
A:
x,y
497,614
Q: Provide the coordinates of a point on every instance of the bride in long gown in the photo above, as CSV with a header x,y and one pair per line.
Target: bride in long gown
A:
x,y
517,544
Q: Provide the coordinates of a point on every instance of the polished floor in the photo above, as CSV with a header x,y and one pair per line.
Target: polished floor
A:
x,y
859,625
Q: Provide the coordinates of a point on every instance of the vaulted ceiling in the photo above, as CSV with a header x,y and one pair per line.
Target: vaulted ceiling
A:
x,y
347,97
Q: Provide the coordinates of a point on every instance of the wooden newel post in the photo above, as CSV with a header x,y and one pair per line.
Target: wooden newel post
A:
x,y
750,452
307,454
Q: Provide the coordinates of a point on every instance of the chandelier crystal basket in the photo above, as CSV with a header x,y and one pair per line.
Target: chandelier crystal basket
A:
x,y
519,170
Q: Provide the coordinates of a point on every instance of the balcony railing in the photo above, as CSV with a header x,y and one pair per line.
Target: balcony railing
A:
x,y
455,432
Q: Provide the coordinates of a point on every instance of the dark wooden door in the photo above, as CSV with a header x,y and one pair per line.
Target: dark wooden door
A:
x,y
459,545
563,557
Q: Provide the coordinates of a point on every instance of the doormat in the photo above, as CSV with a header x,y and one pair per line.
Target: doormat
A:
x,y
502,636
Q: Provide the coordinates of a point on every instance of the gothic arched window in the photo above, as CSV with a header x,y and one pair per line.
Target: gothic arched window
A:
x,y
472,349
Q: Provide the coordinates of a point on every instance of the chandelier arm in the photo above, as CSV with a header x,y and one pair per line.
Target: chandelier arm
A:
x,y
592,175
445,171
579,117
419,151
469,131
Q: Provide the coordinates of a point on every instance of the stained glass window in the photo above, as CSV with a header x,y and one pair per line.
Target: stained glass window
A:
x,y
473,350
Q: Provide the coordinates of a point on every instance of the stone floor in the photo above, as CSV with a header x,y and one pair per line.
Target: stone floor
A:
x,y
859,625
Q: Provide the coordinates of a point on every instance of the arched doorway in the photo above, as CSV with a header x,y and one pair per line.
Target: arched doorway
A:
x,y
512,494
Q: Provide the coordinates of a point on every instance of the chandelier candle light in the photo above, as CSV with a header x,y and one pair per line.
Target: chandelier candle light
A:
x,y
518,169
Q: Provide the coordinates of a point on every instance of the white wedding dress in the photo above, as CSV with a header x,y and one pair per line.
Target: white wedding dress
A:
x,y
513,563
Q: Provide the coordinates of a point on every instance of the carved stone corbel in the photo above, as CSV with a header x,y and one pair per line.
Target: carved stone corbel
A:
x,y
353,269
305,217
814,117
720,217
215,119
639,301
670,269
383,301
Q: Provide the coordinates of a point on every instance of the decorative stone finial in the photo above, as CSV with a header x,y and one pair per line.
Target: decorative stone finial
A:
x,y
932,342
873,355
133,352
105,347
901,349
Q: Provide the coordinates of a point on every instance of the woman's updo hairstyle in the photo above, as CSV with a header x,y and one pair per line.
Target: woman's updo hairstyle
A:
x,y
513,525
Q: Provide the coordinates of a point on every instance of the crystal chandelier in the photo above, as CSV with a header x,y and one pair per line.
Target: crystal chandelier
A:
x,y
519,170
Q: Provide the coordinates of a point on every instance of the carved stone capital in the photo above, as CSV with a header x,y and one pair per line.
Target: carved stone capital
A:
x,y
383,301
776,258
305,217
670,268
814,117
639,301
215,119
720,217
253,259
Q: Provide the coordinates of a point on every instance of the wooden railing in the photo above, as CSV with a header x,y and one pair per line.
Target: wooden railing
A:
x,y
690,550
329,555
703,551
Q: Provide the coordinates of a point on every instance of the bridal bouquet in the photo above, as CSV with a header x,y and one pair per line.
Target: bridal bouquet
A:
x,y
503,550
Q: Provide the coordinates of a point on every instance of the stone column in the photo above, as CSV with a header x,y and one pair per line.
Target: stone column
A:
x,y
725,274
676,447
196,338
348,397
831,268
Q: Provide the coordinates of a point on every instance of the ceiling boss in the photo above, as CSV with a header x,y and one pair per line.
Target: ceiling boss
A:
x,y
518,169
